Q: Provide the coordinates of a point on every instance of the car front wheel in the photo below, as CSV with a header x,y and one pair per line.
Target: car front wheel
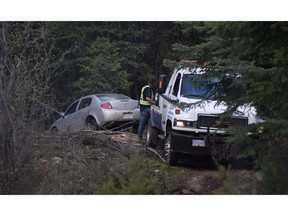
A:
x,y
54,130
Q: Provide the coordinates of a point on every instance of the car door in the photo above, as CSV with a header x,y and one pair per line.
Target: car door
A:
x,y
82,113
68,121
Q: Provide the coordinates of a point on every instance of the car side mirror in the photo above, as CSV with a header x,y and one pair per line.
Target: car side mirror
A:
x,y
162,84
62,114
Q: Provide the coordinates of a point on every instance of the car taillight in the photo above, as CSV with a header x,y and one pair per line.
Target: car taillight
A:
x,y
106,105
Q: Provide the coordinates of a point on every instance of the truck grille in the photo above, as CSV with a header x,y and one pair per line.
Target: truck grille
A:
x,y
212,121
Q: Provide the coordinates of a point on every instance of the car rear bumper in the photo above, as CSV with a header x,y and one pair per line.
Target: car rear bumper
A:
x,y
110,116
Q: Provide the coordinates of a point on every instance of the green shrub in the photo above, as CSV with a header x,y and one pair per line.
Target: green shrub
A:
x,y
137,176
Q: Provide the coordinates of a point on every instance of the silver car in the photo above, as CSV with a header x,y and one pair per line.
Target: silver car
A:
x,y
97,111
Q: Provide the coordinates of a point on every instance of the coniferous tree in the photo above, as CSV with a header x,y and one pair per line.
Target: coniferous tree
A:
x,y
102,70
253,57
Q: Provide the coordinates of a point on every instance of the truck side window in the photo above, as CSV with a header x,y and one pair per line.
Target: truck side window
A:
x,y
176,85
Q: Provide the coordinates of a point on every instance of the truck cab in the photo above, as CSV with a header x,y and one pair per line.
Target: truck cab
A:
x,y
185,120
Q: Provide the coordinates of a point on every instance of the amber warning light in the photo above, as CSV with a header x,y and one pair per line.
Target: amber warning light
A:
x,y
160,84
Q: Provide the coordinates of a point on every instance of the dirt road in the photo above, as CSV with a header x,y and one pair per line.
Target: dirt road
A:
x,y
202,175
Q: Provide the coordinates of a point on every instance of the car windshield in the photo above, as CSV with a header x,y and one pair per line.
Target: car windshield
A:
x,y
111,97
193,87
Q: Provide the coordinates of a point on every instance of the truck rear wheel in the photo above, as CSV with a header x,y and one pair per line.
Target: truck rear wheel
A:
x,y
171,157
152,136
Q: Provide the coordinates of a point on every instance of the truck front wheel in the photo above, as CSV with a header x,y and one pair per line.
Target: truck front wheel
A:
x,y
171,157
152,136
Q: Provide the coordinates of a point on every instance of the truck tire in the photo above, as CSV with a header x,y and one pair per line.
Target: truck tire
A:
x,y
152,136
171,157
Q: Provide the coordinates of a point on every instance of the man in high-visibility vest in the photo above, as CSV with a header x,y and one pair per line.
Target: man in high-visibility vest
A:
x,y
146,100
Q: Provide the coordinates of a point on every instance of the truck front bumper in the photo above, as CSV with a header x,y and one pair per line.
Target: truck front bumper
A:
x,y
183,143
202,145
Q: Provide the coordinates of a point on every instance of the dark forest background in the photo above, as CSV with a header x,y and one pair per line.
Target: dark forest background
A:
x,y
44,66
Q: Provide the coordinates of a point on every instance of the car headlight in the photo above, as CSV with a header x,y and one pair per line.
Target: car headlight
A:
x,y
185,123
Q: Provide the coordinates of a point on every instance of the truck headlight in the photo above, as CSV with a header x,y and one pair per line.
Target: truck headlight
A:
x,y
261,130
184,123
180,123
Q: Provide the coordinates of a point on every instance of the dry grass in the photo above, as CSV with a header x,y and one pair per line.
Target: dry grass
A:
x,y
105,162
91,162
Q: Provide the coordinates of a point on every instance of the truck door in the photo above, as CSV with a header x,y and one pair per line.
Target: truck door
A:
x,y
172,97
167,100
174,91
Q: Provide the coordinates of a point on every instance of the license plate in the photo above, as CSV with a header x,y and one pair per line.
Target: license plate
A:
x,y
199,143
128,116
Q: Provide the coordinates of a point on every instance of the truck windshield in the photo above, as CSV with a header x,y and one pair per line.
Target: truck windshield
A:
x,y
193,87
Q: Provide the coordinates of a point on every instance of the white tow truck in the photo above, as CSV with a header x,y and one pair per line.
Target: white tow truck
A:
x,y
179,126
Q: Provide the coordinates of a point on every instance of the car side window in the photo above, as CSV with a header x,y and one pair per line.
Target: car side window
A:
x,y
72,108
86,102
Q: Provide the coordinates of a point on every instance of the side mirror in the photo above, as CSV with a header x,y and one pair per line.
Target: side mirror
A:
x,y
62,114
161,84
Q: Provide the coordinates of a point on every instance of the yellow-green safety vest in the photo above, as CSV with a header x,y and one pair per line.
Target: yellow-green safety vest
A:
x,y
142,100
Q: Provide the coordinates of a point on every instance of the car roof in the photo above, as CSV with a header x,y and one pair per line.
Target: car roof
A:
x,y
109,97
106,97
